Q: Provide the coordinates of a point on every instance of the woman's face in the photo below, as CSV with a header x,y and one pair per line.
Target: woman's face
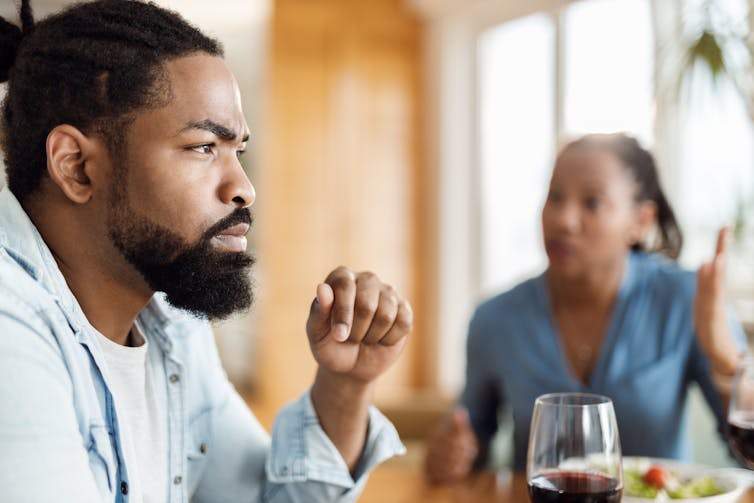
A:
x,y
590,217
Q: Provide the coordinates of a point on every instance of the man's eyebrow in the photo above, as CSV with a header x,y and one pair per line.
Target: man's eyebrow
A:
x,y
215,128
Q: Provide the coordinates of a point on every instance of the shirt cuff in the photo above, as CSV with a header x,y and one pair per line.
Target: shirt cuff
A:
x,y
302,451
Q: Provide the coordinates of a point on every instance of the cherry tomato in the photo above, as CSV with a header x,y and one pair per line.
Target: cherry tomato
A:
x,y
656,476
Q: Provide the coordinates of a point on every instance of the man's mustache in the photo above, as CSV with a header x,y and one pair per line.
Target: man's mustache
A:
x,y
239,216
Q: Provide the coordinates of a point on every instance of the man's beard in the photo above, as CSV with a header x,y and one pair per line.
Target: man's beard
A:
x,y
195,277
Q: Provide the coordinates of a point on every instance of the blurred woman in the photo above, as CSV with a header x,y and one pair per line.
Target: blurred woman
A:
x,y
613,314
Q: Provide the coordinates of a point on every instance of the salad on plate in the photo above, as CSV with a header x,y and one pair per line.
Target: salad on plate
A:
x,y
652,479
658,480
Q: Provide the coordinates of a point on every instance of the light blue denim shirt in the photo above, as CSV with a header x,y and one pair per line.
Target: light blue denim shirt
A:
x,y
59,434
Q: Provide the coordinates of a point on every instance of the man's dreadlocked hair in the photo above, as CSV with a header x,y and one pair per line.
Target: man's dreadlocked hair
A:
x,y
92,66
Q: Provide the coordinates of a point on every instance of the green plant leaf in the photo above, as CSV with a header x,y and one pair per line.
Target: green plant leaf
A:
x,y
707,51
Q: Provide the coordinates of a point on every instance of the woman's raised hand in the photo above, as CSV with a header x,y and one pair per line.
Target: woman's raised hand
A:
x,y
710,319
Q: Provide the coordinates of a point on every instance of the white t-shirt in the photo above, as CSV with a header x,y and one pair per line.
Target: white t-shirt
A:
x,y
141,417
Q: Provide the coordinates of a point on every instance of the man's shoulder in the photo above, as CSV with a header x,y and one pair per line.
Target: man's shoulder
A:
x,y
19,290
26,306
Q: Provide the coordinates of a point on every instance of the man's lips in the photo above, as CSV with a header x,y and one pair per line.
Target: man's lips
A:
x,y
233,238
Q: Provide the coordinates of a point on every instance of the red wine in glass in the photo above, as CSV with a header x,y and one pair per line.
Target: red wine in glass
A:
x,y
741,436
574,487
574,450
741,412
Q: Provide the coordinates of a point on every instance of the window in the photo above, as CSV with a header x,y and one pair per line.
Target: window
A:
x,y
516,143
607,66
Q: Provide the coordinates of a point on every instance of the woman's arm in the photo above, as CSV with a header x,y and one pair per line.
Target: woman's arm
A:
x,y
720,338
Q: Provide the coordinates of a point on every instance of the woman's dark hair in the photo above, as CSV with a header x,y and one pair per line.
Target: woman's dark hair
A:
x,y
92,66
643,169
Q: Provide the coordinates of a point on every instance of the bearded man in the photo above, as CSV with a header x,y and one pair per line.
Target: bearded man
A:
x,y
122,234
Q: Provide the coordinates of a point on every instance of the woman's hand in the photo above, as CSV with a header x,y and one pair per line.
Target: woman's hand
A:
x,y
452,449
710,318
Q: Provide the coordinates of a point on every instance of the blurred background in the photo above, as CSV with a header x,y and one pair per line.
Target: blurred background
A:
x,y
415,138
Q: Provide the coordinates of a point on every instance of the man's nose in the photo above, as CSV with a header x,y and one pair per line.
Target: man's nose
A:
x,y
236,187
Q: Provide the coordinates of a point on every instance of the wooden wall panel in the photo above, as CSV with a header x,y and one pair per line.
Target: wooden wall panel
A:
x,y
339,179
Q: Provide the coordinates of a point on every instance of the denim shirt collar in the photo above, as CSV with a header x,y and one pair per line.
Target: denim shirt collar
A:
x,y
20,238
23,243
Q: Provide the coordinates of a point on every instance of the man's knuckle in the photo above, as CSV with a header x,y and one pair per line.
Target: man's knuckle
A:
x,y
367,277
341,282
365,307
340,273
404,324
384,318
389,290
392,301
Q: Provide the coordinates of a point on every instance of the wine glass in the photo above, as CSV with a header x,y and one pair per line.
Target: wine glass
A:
x,y
741,413
574,451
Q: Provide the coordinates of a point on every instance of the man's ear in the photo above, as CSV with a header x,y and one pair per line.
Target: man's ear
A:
x,y
646,219
70,161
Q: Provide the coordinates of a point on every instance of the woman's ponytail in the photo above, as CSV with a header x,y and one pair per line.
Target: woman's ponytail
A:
x,y
11,36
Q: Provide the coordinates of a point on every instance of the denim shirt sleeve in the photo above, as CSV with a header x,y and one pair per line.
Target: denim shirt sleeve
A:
x,y
304,464
298,464
44,455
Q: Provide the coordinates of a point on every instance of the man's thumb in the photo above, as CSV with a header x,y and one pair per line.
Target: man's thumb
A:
x,y
318,324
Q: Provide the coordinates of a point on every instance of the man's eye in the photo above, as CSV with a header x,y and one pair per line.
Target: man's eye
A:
x,y
203,149
239,153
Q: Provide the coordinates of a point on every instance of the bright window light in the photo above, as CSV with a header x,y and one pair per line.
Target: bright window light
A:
x,y
516,126
607,62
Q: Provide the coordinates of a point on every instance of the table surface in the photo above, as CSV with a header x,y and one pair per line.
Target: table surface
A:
x,y
405,483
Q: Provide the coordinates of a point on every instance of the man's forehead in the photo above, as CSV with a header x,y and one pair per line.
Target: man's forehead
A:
x,y
204,96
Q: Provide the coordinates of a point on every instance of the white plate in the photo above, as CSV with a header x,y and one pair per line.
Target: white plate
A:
x,y
734,480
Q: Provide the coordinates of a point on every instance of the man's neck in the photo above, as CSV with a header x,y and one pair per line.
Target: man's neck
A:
x,y
94,272
109,307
